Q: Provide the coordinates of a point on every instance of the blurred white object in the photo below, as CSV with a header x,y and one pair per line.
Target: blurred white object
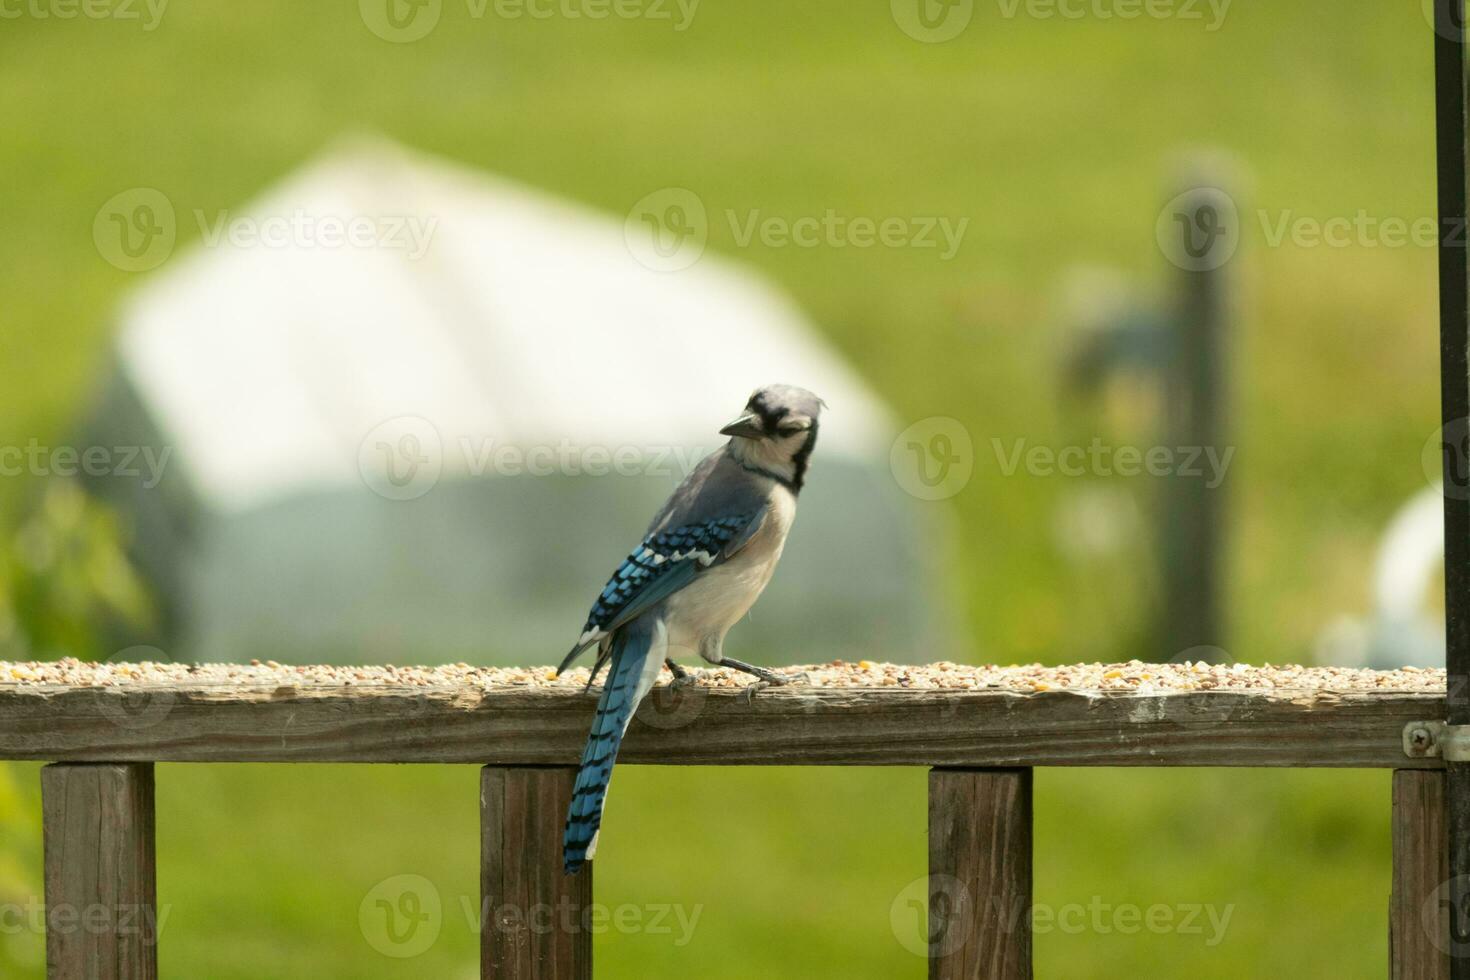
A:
x,y
526,319
1401,631
428,445
1095,522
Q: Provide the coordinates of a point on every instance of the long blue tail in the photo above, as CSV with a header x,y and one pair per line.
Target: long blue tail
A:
x,y
626,685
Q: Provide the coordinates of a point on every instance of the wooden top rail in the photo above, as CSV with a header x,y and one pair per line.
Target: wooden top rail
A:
x,y
845,714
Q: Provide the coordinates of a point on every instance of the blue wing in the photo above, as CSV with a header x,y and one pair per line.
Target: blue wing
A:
x,y
662,565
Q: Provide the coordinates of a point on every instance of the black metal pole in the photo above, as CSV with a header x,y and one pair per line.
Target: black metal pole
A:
x,y
1454,320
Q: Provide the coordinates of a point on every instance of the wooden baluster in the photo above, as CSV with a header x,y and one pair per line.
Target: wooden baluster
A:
x,y
1418,906
533,916
980,874
101,905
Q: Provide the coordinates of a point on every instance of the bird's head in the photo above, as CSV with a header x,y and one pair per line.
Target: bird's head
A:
x,y
776,432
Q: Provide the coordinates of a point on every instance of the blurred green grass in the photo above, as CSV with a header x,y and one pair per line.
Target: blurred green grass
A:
x,y
1056,138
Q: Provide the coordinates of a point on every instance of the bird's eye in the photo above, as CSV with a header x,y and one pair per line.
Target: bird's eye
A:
x,y
789,430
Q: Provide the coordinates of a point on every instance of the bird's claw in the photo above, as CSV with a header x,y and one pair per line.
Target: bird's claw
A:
x,y
774,680
751,689
683,680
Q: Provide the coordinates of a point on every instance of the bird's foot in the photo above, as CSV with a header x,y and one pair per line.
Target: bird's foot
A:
x,y
752,689
771,679
682,677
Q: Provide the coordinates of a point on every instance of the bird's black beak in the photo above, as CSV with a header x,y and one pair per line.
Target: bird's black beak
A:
x,y
747,426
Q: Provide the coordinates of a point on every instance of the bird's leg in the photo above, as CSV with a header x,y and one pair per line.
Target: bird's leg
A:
x,y
764,677
681,676
769,676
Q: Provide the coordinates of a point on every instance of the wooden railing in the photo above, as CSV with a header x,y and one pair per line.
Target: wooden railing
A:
x,y
980,745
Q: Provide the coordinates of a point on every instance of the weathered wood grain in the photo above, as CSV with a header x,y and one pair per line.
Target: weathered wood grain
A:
x,y
979,874
699,726
101,918
1419,923
533,924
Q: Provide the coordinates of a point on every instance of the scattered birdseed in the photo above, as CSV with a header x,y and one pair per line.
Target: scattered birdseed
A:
x,y
1133,677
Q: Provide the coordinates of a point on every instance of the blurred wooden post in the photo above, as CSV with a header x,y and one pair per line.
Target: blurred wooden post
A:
x,y
101,905
533,923
1197,370
980,874
1420,871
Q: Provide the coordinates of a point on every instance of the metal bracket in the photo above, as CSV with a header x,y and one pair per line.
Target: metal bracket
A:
x,y
1436,740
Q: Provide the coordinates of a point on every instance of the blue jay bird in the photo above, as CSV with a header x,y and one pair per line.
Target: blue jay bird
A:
x,y
703,562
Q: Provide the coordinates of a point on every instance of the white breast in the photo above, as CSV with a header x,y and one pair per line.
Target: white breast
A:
x,y
720,596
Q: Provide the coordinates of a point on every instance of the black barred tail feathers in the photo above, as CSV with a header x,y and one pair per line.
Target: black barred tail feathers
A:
x,y
628,680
